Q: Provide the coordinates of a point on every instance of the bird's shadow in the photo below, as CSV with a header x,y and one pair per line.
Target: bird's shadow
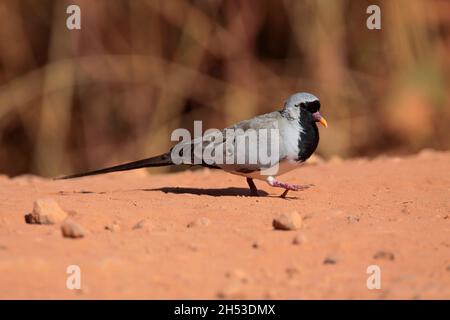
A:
x,y
224,192
219,192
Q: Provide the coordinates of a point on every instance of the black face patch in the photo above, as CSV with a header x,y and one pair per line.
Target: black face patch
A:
x,y
311,106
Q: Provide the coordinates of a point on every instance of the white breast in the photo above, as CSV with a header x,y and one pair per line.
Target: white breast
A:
x,y
289,132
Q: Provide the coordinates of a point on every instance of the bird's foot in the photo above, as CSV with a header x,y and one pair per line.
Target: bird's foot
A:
x,y
294,187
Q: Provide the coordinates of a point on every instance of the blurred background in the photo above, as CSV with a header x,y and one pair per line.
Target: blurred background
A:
x,y
72,100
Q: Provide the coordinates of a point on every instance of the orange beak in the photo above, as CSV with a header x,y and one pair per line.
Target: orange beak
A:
x,y
318,117
323,122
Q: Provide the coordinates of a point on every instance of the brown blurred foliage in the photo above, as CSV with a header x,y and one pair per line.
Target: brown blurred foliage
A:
x,y
114,90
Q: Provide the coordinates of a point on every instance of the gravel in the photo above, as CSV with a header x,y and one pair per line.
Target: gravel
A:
x,y
46,211
288,221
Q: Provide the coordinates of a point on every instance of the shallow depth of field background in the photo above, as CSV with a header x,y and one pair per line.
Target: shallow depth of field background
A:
x,y
114,90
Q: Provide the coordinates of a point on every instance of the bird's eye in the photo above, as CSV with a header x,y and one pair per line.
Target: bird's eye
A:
x,y
312,106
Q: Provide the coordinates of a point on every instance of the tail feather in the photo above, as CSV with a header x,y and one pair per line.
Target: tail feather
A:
x,y
158,161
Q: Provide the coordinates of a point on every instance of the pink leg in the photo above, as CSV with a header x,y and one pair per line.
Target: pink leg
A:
x,y
278,184
287,186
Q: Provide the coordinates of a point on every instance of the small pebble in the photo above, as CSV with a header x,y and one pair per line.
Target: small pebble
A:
x,y
193,247
237,275
288,221
45,211
143,224
114,227
202,222
385,255
70,229
330,260
299,239
292,271
352,219
232,291
256,244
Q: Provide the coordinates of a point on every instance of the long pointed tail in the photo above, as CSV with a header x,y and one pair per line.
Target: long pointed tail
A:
x,y
158,161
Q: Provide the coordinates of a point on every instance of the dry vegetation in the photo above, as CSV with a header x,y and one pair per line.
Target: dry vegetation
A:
x,y
114,91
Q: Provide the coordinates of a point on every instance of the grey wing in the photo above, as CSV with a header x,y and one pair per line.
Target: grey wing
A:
x,y
264,121
233,149
247,148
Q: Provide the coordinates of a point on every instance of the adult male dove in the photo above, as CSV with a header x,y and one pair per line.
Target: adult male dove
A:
x,y
297,139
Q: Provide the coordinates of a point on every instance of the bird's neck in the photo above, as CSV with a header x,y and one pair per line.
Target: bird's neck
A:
x,y
308,139
289,114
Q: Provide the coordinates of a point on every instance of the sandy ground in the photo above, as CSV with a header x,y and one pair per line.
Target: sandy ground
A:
x,y
389,212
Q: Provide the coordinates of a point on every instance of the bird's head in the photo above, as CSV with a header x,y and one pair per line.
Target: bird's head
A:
x,y
306,105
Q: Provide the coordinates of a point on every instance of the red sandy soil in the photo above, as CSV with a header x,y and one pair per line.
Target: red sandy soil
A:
x,y
390,212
